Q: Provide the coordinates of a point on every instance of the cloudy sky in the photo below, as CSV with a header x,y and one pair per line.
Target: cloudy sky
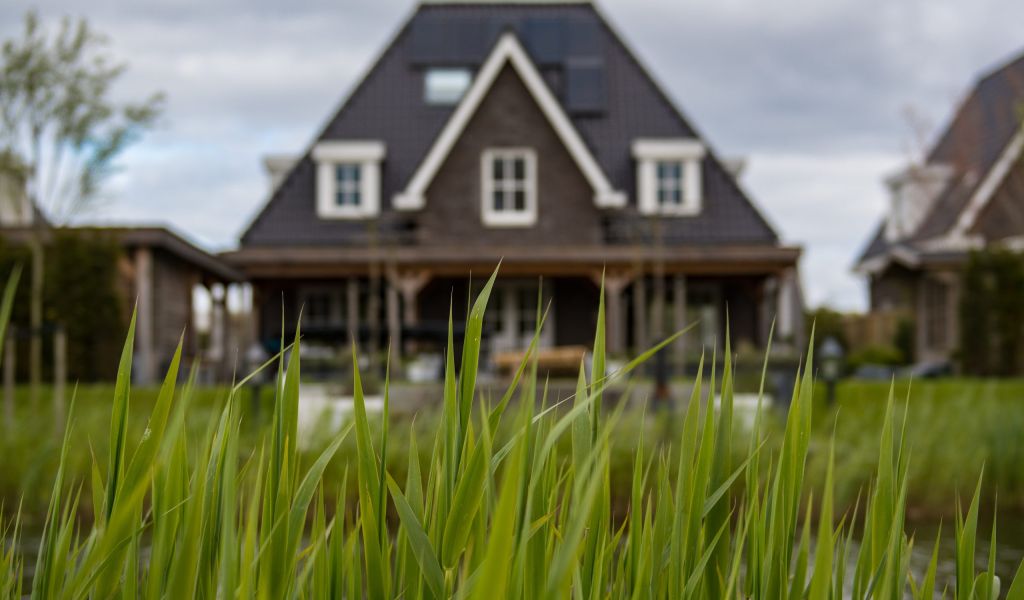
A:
x,y
823,97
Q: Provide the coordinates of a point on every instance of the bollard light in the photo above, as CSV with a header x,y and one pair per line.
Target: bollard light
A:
x,y
832,358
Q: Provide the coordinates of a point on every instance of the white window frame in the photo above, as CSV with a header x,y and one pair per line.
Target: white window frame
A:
x,y
690,154
508,218
328,156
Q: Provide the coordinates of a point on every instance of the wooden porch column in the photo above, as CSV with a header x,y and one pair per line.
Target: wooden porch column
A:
x,y
409,284
144,357
790,320
219,329
770,307
394,321
679,318
352,309
639,314
615,284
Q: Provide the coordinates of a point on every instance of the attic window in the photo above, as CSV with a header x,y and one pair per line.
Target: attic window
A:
x,y
445,86
668,176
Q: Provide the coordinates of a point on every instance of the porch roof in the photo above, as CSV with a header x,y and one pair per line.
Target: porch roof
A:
x,y
305,261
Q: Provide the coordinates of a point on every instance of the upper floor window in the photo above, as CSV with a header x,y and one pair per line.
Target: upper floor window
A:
x,y
509,187
445,86
670,184
347,184
669,176
348,179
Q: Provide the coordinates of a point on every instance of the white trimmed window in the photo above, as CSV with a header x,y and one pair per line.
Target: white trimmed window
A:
x,y
509,187
348,179
669,176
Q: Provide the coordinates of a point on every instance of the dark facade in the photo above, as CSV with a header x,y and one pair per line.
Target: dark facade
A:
x,y
559,157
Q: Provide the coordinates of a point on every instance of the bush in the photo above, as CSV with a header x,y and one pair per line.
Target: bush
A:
x,y
876,355
992,314
81,295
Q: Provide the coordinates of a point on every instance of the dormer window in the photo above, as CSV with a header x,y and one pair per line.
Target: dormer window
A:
x,y
445,86
509,187
670,184
669,176
347,185
348,179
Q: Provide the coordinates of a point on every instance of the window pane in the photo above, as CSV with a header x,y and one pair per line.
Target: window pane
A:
x,y
445,85
677,196
499,200
499,169
662,196
519,169
354,198
520,200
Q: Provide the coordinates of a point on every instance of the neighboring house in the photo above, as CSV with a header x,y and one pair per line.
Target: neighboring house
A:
x,y
158,274
968,194
527,133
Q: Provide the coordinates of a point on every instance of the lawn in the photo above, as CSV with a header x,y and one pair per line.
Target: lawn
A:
x,y
955,427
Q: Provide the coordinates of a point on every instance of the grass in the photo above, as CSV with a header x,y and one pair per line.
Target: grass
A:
x,y
515,500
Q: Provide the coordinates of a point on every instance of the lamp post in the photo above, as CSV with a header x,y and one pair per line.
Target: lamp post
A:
x,y
832,357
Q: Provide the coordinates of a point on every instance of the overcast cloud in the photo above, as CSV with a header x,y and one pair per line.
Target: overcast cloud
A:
x,y
815,93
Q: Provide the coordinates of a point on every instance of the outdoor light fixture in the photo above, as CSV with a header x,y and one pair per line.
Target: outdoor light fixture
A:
x,y
832,357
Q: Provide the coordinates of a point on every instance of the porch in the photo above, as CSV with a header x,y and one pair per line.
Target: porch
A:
x,y
407,310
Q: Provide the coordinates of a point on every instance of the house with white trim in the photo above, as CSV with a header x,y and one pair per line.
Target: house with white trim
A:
x,y
967,195
527,133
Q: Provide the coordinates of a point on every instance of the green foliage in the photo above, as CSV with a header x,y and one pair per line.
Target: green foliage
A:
x,y
876,355
826,323
81,295
992,314
524,515
59,127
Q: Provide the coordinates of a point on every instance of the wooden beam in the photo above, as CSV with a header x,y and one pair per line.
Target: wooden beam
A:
x,y
144,326
679,320
639,315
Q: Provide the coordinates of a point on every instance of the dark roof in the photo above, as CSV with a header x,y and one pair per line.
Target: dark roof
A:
x,y
149,236
563,40
981,128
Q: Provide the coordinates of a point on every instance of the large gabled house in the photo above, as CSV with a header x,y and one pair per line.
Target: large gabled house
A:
x,y
527,133
968,194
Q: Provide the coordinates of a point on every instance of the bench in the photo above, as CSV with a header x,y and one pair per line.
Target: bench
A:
x,y
560,359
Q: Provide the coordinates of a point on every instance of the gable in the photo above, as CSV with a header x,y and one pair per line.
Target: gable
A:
x,y
1003,215
509,117
508,53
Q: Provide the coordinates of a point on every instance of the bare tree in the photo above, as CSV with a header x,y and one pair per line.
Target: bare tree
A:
x,y
61,131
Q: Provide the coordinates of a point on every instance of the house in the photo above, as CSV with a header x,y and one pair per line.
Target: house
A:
x,y
967,194
526,133
158,272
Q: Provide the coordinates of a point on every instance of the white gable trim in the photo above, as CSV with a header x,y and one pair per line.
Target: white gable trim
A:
x,y
508,50
988,186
